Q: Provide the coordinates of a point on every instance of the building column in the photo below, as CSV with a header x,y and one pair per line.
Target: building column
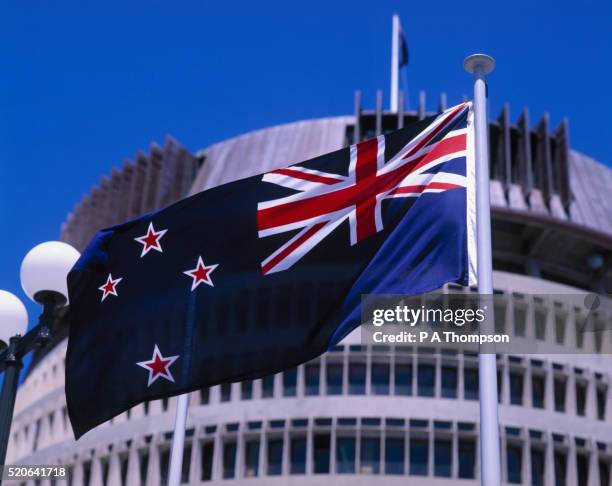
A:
x,y
133,472
526,469
591,396
572,471
455,453
503,455
549,461
506,381
114,468
437,362
96,471
153,473
77,473
286,461
549,387
570,395
593,466
217,465
460,377
309,449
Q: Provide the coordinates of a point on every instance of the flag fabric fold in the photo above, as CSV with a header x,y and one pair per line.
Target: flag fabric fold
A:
x,y
259,275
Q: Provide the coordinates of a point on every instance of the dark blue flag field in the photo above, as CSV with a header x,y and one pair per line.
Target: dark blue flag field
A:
x,y
259,275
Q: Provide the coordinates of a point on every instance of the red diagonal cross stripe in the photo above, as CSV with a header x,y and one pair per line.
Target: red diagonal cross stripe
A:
x,y
368,184
323,200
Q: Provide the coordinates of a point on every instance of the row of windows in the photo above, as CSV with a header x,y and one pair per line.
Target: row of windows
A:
x,y
358,372
537,457
310,452
552,324
444,451
404,376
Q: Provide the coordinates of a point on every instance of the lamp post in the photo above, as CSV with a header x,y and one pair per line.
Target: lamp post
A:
x,y
43,278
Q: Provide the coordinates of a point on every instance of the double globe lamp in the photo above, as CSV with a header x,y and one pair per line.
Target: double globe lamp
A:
x,y
43,278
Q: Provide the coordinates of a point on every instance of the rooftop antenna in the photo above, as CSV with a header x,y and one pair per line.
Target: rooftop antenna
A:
x,y
395,63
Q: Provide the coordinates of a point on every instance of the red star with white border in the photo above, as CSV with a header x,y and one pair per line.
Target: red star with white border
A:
x,y
158,366
109,287
201,274
150,241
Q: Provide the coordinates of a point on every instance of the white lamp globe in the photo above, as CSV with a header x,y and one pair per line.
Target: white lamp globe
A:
x,y
13,317
46,267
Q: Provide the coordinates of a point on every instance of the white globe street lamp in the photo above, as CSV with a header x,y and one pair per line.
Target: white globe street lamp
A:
x,y
13,317
45,268
43,278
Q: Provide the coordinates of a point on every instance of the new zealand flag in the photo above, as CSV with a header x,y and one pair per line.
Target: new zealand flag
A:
x,y
259,275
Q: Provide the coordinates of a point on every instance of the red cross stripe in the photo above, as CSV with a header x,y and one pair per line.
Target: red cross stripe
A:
x,y
325,200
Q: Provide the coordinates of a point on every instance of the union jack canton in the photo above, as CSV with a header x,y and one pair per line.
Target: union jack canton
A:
x,y
325,200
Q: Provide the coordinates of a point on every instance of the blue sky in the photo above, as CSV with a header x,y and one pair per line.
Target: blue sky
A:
x,y
85,85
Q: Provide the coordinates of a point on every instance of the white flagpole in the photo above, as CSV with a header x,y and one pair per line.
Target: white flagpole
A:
x,y
178,441
395,63
480,65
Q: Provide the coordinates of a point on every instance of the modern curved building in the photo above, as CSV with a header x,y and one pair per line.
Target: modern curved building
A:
x,y
360,414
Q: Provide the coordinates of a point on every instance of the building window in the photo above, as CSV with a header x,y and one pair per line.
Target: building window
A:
x,y
186,463
514,463
470,383
246,389
604,473
298,455
290,382
267,386
207,451
520,316
275,457
370,455
345,455
467,458
334,378
540,323
426,379
560,469
104,467
582,467
537,467
86,472
381,374
602,393
403,379
394,455
560,387
579,326
516,387
143,465
499,314
123,466
229,460
164,462
321,453
311,378
580,398
537,391
442,458
226,392
251,458
419,456
449,381
559,328
357,377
